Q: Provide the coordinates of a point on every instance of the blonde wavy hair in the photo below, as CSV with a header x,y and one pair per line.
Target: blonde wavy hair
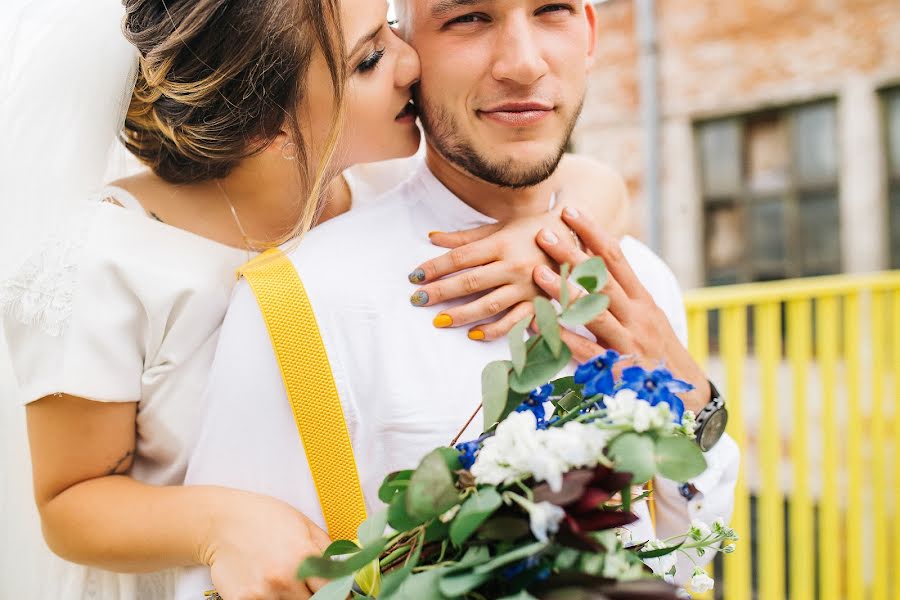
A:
x,y
220,79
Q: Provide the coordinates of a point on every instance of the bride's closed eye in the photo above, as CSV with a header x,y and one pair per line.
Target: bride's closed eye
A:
x,y
371,61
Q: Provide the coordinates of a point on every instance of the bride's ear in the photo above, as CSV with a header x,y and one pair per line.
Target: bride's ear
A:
x,y
283,145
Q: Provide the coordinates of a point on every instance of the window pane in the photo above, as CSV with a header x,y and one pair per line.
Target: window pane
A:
x,y
720,155
768,247
767,154
893,124
819,235
815,143
895,227
724,244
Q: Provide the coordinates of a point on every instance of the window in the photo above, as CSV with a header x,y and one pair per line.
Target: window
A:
x,y
770,194
892,121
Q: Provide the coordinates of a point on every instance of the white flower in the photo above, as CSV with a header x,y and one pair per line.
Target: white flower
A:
x,y
700,530
662,565
642,417
701,582
728,549
544,518
620,408
624,535
449,514
615,566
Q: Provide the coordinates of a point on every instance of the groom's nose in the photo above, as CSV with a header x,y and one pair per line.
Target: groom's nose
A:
x,y
408,70
517,55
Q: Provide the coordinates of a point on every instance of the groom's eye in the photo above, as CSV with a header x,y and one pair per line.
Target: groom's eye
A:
x,y
552,8
468,18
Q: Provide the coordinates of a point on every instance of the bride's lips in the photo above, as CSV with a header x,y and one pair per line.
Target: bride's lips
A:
x,y
517,114
408,114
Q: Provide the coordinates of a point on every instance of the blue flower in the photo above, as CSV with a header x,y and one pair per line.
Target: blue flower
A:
x,y
597,374
657,386
468,452
535,403
520,567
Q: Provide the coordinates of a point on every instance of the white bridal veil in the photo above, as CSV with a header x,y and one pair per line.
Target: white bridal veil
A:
x,y
66,76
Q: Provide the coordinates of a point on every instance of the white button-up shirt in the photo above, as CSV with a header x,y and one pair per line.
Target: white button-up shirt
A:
x,y
405,386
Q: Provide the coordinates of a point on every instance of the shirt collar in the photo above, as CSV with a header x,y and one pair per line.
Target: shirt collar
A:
x,y
446,205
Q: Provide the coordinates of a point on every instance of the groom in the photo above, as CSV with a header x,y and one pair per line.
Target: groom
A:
x,y
502,85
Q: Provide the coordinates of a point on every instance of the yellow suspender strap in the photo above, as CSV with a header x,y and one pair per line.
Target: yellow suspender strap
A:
x,y
310,388
651,504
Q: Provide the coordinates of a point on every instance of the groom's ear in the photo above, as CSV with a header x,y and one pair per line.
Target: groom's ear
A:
x,y
590,16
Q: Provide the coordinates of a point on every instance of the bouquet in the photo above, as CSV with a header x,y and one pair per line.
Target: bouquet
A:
x,y
535,506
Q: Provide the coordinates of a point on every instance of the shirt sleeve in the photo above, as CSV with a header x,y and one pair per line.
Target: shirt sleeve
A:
x,y
248,439
74,322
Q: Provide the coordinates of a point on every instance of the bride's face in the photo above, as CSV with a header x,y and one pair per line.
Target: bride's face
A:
x,y
379,121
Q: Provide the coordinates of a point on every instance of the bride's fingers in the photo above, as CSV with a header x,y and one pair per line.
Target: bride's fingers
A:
x,y
582,348
560,249
472,281
454,239
487,306
502,326
471,255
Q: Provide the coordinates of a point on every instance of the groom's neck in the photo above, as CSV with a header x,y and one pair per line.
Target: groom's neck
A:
x,y
500,203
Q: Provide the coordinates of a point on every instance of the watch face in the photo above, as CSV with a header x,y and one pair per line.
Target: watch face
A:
x,y
713,429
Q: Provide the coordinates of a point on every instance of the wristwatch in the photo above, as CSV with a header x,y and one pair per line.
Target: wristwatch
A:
x,y
711,420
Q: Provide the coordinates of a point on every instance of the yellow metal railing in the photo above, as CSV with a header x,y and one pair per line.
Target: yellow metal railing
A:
x,y
840,337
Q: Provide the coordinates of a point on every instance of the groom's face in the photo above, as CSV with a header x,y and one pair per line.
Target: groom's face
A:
x,y
502,81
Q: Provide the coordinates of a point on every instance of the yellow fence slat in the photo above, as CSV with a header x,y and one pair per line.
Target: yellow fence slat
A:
x,y
830,546
734,350
801,509
879,487
895,369
767,328
854,522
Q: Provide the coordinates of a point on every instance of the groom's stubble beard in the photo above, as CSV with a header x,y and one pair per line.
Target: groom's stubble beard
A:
x,y
443,133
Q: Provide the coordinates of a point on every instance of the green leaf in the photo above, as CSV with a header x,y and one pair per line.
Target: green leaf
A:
x,y
393,484
517,350
591,274
569,402
548,324
372,528
455,585
340,547
338,589
541,367
393,580
431,489
679,458
585,309
504,529
564,385
398,517
511,557
563,287
474,511
635,454
494,390
436,530
419,586
328,568
522,595
659,552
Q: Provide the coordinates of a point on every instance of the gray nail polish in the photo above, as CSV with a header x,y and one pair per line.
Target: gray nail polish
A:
x,y
420,298
417,276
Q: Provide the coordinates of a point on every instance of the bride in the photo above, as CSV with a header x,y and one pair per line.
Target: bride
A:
x,y
245,114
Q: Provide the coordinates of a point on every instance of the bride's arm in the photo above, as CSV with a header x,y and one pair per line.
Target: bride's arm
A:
x,y
93,513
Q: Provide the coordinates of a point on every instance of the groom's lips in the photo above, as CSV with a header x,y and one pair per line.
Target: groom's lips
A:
x,y
517,114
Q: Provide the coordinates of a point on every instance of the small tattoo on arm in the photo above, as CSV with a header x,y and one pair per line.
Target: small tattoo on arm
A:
x,y
122,465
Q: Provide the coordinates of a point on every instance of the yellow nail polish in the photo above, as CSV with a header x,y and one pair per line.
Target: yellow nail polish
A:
x,y
431,233
476,334
443,320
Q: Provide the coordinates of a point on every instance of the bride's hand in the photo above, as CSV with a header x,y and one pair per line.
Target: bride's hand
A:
x,y
256,544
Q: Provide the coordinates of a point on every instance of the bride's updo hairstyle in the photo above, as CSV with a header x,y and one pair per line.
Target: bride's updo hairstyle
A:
x,y
219,79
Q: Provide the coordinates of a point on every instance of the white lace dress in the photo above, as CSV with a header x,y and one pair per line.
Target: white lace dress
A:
x,y
120,308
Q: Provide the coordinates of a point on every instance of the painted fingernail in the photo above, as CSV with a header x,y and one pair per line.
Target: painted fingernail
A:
x,y
476,335
417,276
572,213
549,237
420,298
431,233
443,320
546,274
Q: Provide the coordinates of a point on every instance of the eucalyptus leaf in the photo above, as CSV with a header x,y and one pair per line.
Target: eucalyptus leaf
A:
x,y
585,309
510,557
393,484
563,286
504,528
418,586
569,402
563,385
541,367
548,324
475,510
431,489
328,568
398,517
591,274
339,548
455,585
516,337
338,589
451,457
372,528
679,458
494,390
393,580
634,453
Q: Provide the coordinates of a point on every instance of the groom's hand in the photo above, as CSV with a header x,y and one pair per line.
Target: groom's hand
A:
x,y
634,325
